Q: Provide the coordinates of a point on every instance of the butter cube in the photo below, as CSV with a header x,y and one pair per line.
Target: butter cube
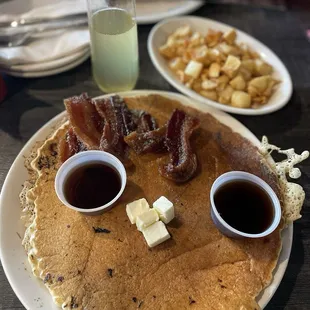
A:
x,y
156,234
165,209
146,219
136,208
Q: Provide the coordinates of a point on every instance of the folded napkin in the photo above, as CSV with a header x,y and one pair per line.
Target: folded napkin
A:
x,y
47,46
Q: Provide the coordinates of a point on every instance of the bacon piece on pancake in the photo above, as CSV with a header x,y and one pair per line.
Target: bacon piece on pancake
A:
x,y
70,145
119,122
183,161
146,122
85,120
146,142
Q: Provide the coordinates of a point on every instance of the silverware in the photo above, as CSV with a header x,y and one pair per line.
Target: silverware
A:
x,y
21,22
16,36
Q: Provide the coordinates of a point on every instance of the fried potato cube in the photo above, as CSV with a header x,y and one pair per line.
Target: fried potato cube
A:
x,y
246,74
213,37
238,83
182,77
269,89
248,64
258,85
177,64
183,31
230,36
200,54
195,39
189,83
210,94
214,70
262,68
208,84
196,86
240,99
260,100
167,51
225,48
225,95
204,74
215,55
231,66
193,68
222,81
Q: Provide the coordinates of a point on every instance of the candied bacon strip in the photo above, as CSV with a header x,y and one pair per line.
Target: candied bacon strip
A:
x,y
146,142
85,120
183,162
146,122
118,123
70,145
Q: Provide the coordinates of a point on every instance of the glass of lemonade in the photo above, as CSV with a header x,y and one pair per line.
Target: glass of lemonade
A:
x,y
114,44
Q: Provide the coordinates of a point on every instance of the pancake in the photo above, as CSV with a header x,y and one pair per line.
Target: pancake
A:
x,y
197,268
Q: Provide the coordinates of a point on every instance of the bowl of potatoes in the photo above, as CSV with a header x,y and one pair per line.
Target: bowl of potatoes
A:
x,y
219,65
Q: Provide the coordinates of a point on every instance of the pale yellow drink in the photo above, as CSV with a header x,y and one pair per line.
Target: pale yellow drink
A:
x,y
114,49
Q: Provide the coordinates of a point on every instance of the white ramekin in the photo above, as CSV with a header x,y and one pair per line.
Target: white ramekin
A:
x,y
85,158
224,227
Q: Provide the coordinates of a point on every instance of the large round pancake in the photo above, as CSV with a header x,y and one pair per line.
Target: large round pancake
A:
x,y
198,264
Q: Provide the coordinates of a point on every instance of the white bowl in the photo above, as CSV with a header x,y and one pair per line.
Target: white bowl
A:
x,y
224,227
158,37
82,159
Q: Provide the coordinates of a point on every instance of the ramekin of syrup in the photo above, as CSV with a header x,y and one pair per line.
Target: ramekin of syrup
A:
x,y
90,182
243,205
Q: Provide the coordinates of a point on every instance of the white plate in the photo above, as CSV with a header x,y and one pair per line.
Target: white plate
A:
x,y
149,12
49,65
59,69
30,290
158,37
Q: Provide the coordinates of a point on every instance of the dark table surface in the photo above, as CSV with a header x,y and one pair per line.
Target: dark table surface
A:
x,y
30,103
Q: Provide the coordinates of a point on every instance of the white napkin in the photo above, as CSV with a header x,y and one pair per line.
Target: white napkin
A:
x,y
50,45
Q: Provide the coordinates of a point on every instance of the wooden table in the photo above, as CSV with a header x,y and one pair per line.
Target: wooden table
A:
x,y
31,103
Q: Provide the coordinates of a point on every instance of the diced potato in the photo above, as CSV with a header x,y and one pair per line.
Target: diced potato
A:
x,y
189,83
167,51
231,66
180,51
177,64
248,64
200,54
214,54
238,83
186,57
258,85
196,86
214,70
222,81
230,36
213,37
171,41
193,68
240,99
262,68
182,76
269,89
210,94
225,95
260,100
195,39
225,48
183,31
204,74
246,74
208,84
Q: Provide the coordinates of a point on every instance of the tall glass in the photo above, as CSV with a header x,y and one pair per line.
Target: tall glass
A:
x,y
114,44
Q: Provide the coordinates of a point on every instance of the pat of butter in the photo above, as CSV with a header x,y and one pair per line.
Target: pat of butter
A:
x,y
165,209
146,219
156,234
136,208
